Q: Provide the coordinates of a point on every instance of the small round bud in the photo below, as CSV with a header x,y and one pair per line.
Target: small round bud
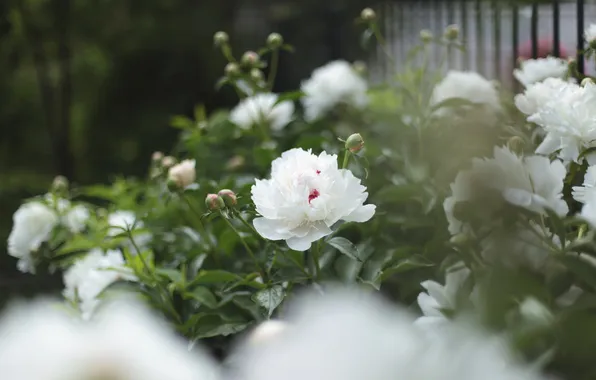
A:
x,y
220,38
587,81
157,156
168,161
232,69
229,197
256,75
60,184
250,58
452,32
360,67
426,36
459,239
214,202
275,40
354,143
368,14
516,144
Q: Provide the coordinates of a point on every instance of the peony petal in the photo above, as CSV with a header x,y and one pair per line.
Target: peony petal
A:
x,y
429,306
270,229
361,214
302,243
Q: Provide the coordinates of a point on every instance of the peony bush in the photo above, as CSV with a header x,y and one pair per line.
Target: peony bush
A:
x,y
431,225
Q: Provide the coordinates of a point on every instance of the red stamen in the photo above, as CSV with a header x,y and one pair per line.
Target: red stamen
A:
x,y
318,172
314,193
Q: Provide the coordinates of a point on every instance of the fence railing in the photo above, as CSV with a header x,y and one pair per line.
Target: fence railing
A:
x,y
496,33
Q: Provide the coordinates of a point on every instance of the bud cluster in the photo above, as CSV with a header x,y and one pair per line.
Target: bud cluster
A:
x,y
223,198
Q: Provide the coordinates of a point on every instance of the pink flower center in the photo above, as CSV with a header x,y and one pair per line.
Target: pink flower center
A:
x,y
314,193
318,172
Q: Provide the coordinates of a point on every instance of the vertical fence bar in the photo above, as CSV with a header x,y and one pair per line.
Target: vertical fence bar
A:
x,y
464,33
479,38
515,40
556,29
580,36
400,34
497,37
534,30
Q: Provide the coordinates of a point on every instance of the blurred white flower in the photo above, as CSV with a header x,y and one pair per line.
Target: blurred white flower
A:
x,y
534,183
569,121
183,173
588,189
76,218
590,33
355,336
32,225
124,343
588,212
261,109
532,71
469,86
441,297
267,331
306,195
569,297
330,85
537,95
535,312
122,220
89,276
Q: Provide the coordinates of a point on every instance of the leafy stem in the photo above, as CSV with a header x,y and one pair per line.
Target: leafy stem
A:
x,y
273,69
246,246
346,159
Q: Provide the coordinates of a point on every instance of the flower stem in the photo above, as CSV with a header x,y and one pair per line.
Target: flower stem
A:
x,y
381,41
346,159
273,69
250,252
315,258
248,225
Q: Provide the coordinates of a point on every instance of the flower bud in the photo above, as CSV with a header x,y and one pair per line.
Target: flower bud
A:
x,y
229,197
360,67
168,161
220,38
452,32
182,174
587,81
274,40
214,202
60,184
516,144
267,331
459,239
368,14
157,156
426,36
354,143
250,58
232,69
256,75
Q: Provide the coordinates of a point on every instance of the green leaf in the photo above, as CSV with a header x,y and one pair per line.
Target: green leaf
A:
x,y
215,277
77,244
405,266
171,274
557,225
346,247
204,296
269,299
583,269
200,113
181,122
291,96
365,38
453,103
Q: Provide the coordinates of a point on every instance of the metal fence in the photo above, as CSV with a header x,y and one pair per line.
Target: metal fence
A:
x,y
495,33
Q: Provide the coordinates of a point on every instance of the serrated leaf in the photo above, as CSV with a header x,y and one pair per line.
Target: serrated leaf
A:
x,y
204,296
269,299
405,266
346,247
215,277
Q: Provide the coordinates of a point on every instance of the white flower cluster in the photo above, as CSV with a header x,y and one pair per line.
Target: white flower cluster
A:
x,y
34,222
263,110
534,71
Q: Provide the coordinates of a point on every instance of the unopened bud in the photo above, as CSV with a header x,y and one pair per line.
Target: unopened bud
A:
x,y
250,58
60,184
232,69
214,202
182,174
220,38
587,81
459,239
256,75
360,67
452,32
516,144
157,156
368,14
168,161
354,143
426,36
275,40
229,197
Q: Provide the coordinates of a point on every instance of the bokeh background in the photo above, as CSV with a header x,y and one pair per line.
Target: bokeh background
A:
x,y
88,87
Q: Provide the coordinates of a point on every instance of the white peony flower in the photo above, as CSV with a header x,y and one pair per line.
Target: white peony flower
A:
x,y
121,220
330,85
441,297
533,71
588,189
306,195
569,121
267,331
466,85
355,336
88,277
537,95
261,109
588,212
33,223
590,33
183,173
37,342
534,183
